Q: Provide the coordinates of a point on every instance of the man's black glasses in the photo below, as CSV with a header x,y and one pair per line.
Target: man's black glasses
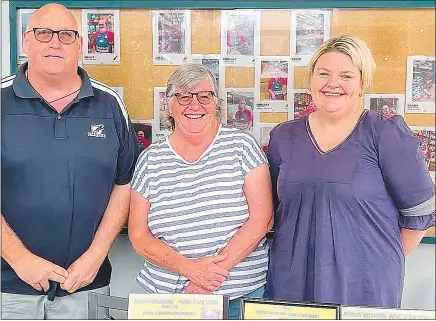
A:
x,y
45,35
203,97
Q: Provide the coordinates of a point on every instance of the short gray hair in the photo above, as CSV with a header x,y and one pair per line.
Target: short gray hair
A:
x,y
187,76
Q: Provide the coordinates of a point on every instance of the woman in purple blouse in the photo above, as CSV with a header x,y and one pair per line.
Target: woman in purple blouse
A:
x,y
353,196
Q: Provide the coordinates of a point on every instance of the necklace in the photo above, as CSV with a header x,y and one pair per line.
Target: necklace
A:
x,y
77,90
64,96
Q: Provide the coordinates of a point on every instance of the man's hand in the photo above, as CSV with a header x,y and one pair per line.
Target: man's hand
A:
x,y
36,271
82,272
206,272
195,289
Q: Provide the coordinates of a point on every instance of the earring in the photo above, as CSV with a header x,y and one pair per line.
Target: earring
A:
x,y
360,94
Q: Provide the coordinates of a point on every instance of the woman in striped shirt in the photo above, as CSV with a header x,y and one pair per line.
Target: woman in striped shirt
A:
x,y
201,200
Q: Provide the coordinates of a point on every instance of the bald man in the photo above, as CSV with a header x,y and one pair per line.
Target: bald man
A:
x,y
67,154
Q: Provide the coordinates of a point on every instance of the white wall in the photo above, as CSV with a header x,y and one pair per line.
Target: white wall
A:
x,y
5,43
420,282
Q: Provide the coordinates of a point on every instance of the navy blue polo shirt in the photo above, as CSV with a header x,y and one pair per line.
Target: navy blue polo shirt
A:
x,y
58,171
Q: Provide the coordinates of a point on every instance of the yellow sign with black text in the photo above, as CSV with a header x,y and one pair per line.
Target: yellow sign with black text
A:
x,y
175,306
262,311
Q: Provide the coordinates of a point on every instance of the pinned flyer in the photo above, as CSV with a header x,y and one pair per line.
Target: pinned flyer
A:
x,y
262,131
427,138
101,36
309,29
420,86
272,83
23,17
240,108
171,36
214,65
387,105
144,132
160,114
119,91
240,34
302,104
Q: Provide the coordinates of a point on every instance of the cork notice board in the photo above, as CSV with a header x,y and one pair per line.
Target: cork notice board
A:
x,y
391,34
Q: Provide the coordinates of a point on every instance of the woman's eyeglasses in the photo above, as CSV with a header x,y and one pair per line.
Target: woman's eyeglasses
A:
x,y
45,35
203,97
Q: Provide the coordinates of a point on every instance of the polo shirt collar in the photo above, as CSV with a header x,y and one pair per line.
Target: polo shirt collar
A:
x,y
86,90
24,89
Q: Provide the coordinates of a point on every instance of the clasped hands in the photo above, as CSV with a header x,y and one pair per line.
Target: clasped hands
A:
x,y
205,274
37,272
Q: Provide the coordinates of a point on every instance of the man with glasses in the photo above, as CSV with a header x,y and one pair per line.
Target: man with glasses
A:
x,y
68,152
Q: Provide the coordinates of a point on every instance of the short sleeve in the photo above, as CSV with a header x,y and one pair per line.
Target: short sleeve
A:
x,y
128,150
406,175
140,180
252,154
274,164
110,36
249,115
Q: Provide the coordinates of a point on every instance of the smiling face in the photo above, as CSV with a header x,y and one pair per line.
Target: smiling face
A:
x,y
336,83
385,110
54,57
195,118
277,73
242,104
102,26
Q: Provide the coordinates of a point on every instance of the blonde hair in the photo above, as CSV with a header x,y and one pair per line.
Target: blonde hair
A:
x,y
353,47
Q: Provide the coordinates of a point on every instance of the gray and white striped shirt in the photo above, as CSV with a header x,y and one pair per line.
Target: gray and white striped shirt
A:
x,y
197,207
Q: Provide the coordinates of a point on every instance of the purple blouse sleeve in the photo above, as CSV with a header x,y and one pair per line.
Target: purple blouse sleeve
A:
x,y
406,175
273,156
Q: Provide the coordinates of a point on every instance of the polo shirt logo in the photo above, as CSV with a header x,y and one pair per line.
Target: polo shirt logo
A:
x,y
97,131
